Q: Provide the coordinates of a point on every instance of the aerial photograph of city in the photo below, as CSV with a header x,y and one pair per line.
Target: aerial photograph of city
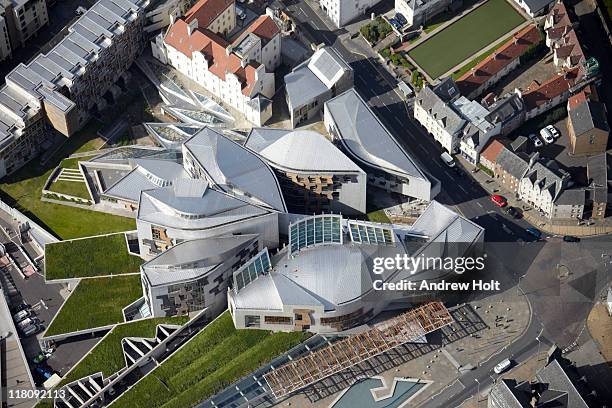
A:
x,y
305,203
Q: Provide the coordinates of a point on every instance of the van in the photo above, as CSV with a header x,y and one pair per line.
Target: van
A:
x,y
447,159
501,367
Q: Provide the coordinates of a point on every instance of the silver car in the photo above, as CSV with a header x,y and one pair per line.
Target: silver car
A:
x,y
547,136
536,141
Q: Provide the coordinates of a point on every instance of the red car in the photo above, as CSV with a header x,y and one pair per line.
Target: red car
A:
x,y
499,200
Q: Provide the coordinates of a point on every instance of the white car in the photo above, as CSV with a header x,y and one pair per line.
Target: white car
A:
x,y
553,131
547,136
447,159
536,141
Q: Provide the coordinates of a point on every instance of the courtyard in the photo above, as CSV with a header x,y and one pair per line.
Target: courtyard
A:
x,y
465,37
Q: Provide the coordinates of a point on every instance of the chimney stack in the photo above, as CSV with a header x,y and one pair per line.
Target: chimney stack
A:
x,y
192,26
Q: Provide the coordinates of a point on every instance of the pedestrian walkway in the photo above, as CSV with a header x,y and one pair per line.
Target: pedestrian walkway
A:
x,y
532,216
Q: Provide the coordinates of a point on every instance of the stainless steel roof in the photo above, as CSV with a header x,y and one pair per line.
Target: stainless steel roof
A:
x,y
235,169
299,150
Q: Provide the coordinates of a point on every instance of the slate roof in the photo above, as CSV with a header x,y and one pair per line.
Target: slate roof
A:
x,y
439,110
512,163
510,394
561,391
574,196
587,116
599,177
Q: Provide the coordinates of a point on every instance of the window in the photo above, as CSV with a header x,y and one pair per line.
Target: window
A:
x,y
252,321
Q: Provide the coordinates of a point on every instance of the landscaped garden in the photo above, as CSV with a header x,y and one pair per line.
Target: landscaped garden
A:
x,y
95,303
215,358
107,355
89,257
22,190
376,30
466,36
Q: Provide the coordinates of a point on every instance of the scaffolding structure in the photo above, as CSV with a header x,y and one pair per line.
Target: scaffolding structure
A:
x,y
348,352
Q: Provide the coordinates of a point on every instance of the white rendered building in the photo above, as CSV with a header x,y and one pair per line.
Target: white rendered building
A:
x,y
313,82
418,12
323,281
342,12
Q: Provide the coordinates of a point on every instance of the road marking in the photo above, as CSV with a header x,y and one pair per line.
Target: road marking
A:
x,y
422,148
462,189
480,205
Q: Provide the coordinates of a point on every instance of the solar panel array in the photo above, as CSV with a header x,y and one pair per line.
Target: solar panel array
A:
x,y
318,229
365,233
250,271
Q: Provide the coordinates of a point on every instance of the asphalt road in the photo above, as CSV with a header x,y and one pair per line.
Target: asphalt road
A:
x,y
560,296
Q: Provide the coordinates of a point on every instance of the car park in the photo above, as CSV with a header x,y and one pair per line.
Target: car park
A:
x,y
536,141
22,314
534,232
571,238
547,136
498,200
502,366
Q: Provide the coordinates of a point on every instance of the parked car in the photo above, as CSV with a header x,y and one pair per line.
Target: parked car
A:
x,y
547,136
240,13
447,159
40,357
502,366
22,325
499,200
22,314
536,141
513,212
402,20
534,232
20,307
30,330
395,23
571,238
44,371
553,131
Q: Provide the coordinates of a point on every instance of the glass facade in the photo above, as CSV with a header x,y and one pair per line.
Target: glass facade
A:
x,y
259,264
319,229
364,233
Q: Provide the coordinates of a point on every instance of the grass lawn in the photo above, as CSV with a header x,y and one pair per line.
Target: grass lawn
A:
x,y
465,68
95,303
89,257
107,355
72,163
214,359
466,36
379,216
22,190
73,188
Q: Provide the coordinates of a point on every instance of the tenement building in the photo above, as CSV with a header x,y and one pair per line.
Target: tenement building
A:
x,y
72,81
240,73
20,20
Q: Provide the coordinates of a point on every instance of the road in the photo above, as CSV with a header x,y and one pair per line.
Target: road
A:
x,y
559,306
